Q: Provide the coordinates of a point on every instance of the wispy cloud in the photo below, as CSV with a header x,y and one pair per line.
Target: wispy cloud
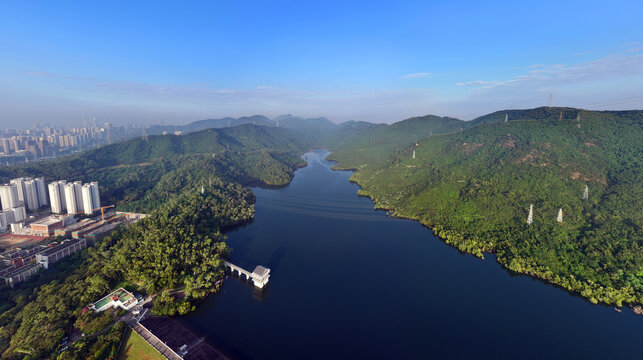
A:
x,y
417,75
479,83
617,65
582,53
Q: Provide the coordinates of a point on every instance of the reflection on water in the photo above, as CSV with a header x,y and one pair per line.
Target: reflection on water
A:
x,y
349,282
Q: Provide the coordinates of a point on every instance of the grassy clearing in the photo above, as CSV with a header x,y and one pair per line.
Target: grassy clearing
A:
x,y
136,348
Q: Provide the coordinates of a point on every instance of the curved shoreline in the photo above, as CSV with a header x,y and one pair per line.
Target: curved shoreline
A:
x,y
634,306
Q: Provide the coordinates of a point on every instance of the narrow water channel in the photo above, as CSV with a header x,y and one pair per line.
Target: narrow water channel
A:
x,y
348,282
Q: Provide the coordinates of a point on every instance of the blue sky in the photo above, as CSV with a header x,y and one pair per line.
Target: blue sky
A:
x,y
175,62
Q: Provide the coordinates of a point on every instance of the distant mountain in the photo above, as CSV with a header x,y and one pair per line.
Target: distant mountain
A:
x,y
356,143
298,122
259,120
540,114
284,121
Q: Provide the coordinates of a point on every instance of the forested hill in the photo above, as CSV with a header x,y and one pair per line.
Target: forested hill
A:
x,y
192,187
259,120
126,171
355,144
544,113
240,138
297,122
474,188
284,121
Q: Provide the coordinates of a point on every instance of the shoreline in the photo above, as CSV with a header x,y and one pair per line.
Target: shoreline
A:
x,y
637,308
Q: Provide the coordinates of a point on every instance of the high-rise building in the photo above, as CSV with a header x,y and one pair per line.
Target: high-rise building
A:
x,y
70,198
61,186
78,191
95,195
42,192
20,186
57,196
5,146
31,195
9,216
9,196
19,213
88,199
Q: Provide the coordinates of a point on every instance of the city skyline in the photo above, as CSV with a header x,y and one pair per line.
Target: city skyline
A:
x,y
157,63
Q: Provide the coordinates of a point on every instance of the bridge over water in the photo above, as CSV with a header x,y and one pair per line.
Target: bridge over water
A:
x,y
259,276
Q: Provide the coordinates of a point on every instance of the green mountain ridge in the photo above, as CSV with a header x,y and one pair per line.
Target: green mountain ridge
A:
x,y
474,187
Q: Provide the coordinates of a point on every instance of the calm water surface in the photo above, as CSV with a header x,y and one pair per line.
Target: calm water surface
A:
x,y
349,282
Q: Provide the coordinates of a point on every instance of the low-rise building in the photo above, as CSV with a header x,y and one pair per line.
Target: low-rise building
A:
x,y
47,226
80,233
119,298
99,233
58,252
21,274
67,230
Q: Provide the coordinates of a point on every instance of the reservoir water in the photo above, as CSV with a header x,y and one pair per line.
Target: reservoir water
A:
x,y
349,282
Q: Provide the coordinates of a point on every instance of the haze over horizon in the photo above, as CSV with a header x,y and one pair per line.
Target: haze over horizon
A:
x,y
157,63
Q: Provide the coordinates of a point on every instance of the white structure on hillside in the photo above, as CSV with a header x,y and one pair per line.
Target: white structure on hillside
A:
x,y
560,216
119,298
586,193
530,217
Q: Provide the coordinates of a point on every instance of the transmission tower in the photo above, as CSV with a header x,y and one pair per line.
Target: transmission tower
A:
x,y
530,217
560,216
549,100
586,193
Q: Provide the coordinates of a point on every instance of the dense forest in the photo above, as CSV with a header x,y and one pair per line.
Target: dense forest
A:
x,y
471,182
474,188
192,190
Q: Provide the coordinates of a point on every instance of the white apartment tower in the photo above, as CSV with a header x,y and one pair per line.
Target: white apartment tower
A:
x,y
91,197
9,196
42,193
61,187
20,187
78,191
31,194
70,198
87,199
57,196
95,195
